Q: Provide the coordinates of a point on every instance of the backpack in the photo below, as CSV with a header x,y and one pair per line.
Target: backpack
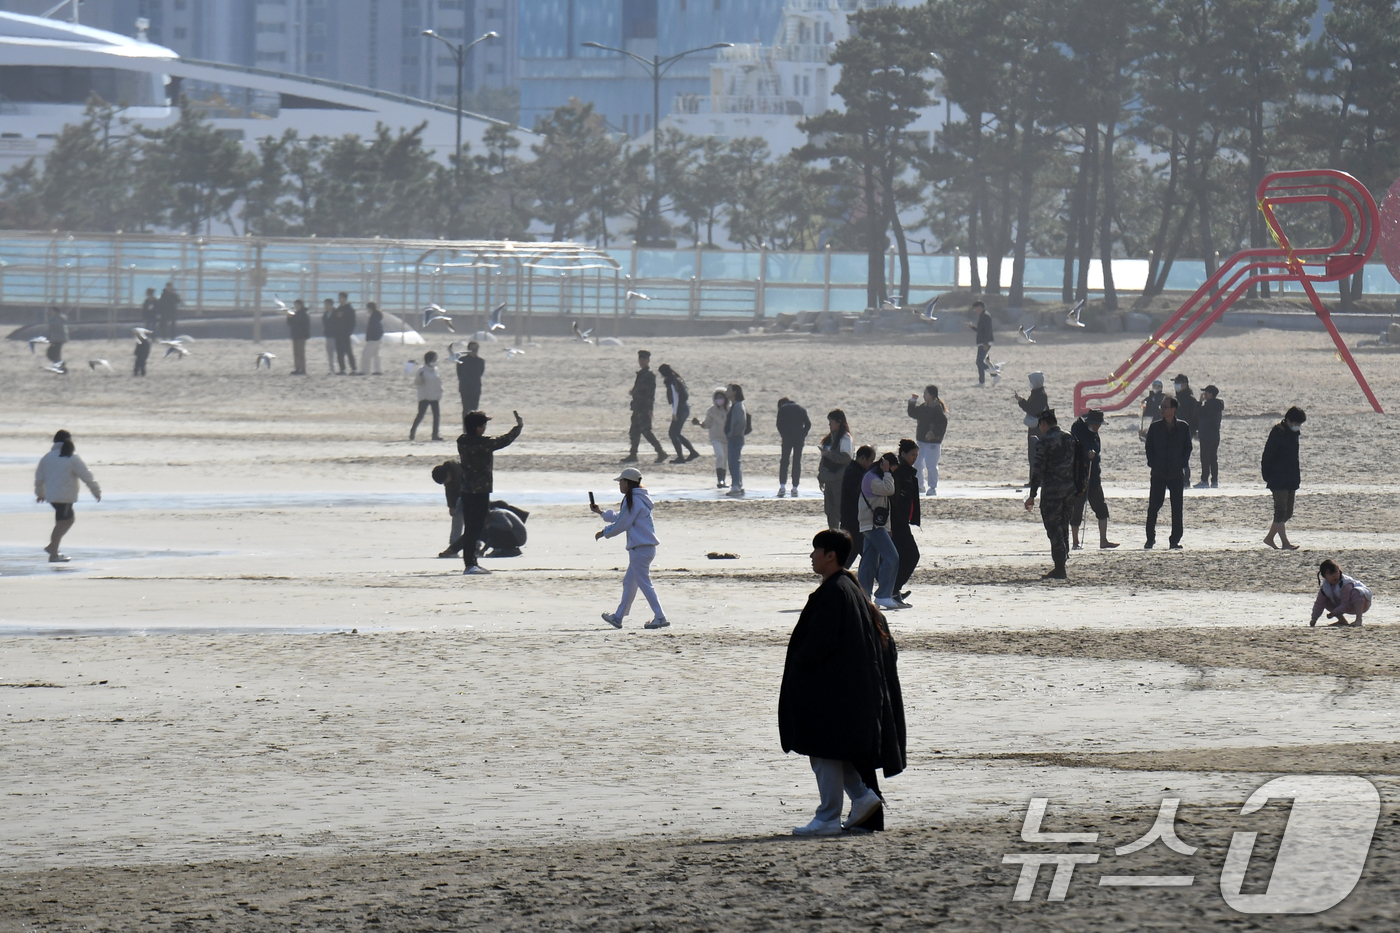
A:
x,y
748,423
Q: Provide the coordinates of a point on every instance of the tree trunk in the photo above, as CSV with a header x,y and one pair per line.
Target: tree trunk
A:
x,y
1076,209
1159,242
1023,214
874,247
1090,212
1110,207
1258,234
979,197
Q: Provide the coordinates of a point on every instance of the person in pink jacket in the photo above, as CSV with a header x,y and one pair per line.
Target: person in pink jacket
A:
x,y
1339,595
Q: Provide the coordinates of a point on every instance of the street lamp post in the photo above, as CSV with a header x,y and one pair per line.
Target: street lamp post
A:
x,y
459,52
658,67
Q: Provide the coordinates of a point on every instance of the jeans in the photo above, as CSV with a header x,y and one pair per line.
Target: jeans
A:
x,y
638,577
982,351
1161,485
834,776
736,475
674,432
831,500
370,361
423,405
927,464
878,551
791,449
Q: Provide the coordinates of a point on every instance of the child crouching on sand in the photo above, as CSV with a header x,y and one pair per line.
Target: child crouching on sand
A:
x,y
1339,595
633,517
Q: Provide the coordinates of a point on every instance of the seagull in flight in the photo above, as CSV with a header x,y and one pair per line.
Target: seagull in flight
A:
x,y
887,304
100,364
995,370
184,338
582,336
264,359
1072,318
631,294
494,324
1023,334
927,314
142,334
433,313
281,305
513,352
174,346
37,342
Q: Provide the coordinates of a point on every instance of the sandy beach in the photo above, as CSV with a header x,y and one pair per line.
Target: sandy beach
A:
x,y
255,699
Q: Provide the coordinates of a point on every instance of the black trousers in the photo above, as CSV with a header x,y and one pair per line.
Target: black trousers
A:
x,y
908,552
143,352
857,544
641,427
1094,497
1210,458
54,352
471,399
982,352
344,351
423,405
475,506
1161,486
792,450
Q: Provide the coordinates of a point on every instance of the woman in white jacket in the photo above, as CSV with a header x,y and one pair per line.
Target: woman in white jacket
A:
x,y
719,441
633,517
56,482
429,385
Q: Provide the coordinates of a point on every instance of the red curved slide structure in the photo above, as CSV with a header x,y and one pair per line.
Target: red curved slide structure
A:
x,y
1282,263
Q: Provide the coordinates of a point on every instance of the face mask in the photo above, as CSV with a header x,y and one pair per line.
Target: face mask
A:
x,y
1178,387
1295,428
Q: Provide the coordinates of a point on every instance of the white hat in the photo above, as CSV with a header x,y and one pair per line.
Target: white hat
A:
x,y
631,473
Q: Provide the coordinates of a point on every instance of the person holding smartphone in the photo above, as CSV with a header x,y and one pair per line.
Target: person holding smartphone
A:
x,y
633,516
879,559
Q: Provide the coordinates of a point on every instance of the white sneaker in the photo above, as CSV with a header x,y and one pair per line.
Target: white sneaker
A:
x,y
475,570
782,492
658,622
819,828
862,808
886,602
614,621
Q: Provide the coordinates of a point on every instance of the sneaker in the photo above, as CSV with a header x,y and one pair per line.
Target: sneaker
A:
x,y
1356,624
819,828
933,492
862,809
782,492
658,622
1214,485
675,460
448,553
1201,485
902,604
794,491
903,596
1175,547
1148,546
661,458
475,570
721,485
736,493
1076,546
630,458
885,602
612,620
56,558
1057,574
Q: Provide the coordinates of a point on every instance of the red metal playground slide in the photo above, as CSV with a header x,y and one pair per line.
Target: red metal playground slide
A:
x,y
1282,263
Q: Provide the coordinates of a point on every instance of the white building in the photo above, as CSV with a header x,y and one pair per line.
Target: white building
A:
x,y
48,69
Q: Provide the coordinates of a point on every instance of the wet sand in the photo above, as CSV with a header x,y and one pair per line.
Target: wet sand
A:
x,y
254,699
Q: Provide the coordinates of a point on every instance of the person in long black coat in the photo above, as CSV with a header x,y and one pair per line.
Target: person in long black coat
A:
x,y
836,704
1168,450
1283,474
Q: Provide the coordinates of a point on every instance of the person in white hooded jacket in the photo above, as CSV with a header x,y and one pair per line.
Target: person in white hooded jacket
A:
x,y
633,517
56,482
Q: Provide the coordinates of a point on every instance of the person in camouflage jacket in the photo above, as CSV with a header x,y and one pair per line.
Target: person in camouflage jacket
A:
x,y
1058,474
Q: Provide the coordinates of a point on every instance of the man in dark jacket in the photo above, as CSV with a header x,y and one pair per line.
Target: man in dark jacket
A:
x,y
1283,474
166,307
477,451
837,704
1186,410
299,323
984,340
1057,475
793,427
904,512
449,475
643,401
1208,418
344,330
470,369
1085,431
1168,451
850,498
150,311
931,417
57,333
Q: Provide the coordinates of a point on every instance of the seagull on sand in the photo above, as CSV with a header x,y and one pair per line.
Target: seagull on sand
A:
x,y
582,336
1072,318
433,313
927,314
494,324
264,359
37,342
513,352
100,364
1023,334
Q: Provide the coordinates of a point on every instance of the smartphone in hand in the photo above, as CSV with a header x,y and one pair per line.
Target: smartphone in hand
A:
x,y
591,500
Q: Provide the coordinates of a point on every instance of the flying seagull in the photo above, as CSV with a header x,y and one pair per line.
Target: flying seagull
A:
x,y
513,352
1072,318
142,334
995,370
37,342
582,335
631,294
887,304
264,359
184,338
494,324
103,364
927,314
1023,334
282,305
433,313
173,346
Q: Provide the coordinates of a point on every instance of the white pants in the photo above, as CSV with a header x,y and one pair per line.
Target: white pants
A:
x,y
369,363
834,776
927,465
638,576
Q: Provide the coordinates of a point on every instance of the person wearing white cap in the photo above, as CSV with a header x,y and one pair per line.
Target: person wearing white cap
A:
x,y
634,517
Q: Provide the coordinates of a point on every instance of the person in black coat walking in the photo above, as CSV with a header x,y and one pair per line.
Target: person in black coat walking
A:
x,y
470,369
904,512
167,307
1188,409
793,428
984,339
840,703
850,498
299,323
150,311
1168,450
1283,474
643,400
1208,418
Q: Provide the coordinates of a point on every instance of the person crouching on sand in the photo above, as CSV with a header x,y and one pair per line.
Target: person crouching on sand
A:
x,y
840,703
1339,594
634,517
